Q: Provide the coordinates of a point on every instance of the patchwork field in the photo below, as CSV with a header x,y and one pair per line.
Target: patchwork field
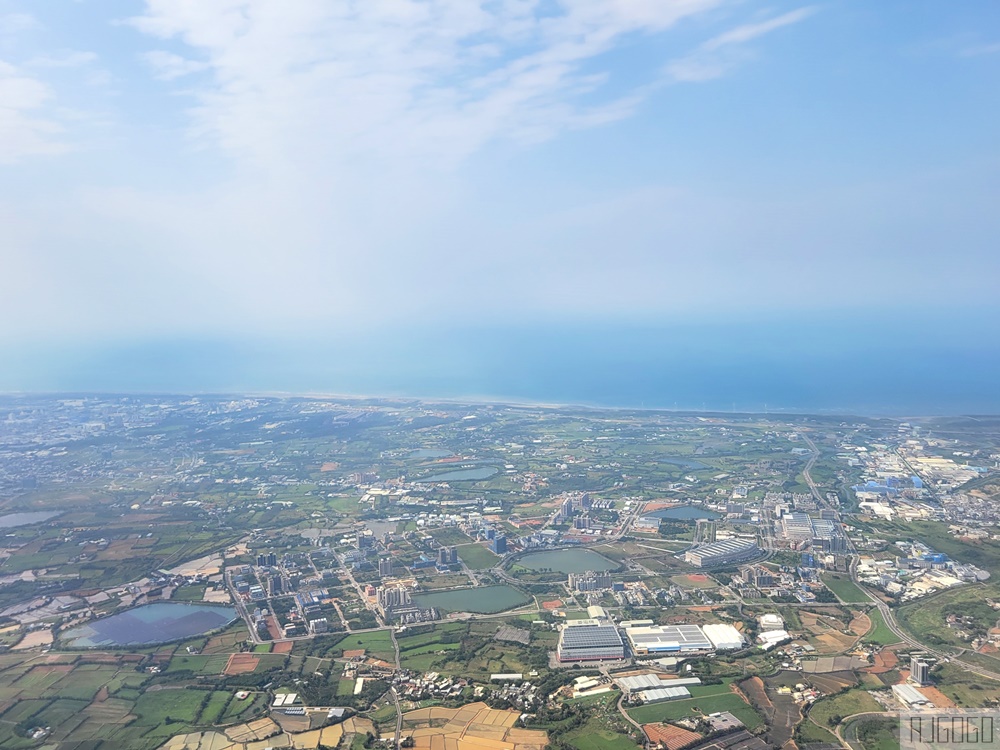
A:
x,y
472,727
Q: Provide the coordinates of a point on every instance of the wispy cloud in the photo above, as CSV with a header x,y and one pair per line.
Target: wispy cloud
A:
x,y
26,129
15,23
720,54
167,66
64,59
978,50
432,80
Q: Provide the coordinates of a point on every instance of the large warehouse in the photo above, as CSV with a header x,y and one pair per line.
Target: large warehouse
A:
x,y
723,637
667,638
726,552
590,640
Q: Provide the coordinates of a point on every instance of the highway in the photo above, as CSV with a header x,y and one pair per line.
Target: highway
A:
x,y
395,695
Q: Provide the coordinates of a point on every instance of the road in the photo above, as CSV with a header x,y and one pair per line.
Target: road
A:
x,y
395,695
848,720
883,608
820,500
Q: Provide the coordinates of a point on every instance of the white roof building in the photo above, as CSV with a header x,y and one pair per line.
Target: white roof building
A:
x,y
909,695
723,637
771,638
771,622
665,694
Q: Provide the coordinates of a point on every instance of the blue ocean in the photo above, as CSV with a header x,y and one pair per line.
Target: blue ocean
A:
x,y
878,365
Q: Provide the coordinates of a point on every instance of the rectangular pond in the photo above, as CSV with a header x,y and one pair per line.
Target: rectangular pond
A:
x,y
483,600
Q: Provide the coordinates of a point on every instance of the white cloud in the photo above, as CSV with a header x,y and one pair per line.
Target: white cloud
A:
x,y
432,81
978,50
64,59
16,23
167,66
720,54
25,128
750,31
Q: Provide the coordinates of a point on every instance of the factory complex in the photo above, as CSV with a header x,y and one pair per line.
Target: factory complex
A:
x,y
600,640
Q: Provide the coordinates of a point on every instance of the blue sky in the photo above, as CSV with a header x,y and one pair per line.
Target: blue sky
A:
x,y
180,168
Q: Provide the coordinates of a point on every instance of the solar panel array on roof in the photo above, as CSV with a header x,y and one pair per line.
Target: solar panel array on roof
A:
x,y
668,638
591,635
590,642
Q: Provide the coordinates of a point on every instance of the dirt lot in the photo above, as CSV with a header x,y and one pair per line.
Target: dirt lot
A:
x,y
241,664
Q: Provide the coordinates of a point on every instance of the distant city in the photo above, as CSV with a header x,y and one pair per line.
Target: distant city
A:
x,y
316,572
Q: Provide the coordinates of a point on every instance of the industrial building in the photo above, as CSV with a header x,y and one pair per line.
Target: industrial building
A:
x,y
726,552
771,638
665,694
771,622
641,683
667,638
590,640
723,637
909,696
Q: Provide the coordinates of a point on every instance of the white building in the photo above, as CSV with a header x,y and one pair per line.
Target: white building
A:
x,y
723,637
771,622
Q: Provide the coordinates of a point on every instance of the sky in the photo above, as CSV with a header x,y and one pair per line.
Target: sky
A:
x,y
241,169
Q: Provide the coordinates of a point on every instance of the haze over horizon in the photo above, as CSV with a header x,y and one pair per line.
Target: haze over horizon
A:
x,y
401,174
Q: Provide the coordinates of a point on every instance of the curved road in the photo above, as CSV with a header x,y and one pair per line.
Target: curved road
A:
x,y
883,608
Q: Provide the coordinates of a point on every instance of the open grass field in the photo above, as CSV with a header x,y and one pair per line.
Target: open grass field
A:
x,y
844,588
963,687
477,556
598,738
377,643
926,618
189,593
825,711
874,733
808,732
449,537
879,632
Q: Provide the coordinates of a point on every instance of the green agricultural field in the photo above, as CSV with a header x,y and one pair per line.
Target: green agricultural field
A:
x,y
595,738
844,588
377,643
245,710
879,632
345,687
673,710
189,593
477,557
199,663
215,708
160,715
